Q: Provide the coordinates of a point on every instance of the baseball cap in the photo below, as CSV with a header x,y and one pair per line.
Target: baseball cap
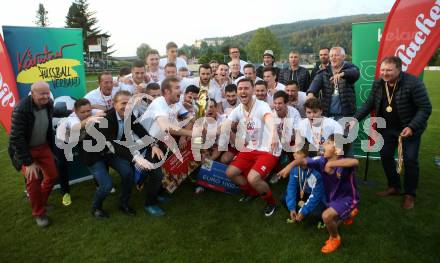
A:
x,y
268,53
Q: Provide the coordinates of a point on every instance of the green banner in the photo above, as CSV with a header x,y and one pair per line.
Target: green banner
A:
x,y
365,45
54,55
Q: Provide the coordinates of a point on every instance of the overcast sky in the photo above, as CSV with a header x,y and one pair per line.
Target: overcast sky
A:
x,y
157,22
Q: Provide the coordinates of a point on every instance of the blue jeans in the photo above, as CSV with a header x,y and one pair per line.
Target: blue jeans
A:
x,y
101,175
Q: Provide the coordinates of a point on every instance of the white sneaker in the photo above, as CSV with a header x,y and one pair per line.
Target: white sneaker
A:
x,y
274,179
42,221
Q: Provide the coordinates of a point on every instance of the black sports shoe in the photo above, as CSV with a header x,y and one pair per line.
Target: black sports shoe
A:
x,y
246,198
269,209
99,213
127,210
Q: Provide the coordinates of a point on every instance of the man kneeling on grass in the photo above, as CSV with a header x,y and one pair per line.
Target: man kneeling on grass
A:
x,y
341,192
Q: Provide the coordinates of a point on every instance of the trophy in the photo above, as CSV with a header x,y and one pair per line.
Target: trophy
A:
x,y
201,105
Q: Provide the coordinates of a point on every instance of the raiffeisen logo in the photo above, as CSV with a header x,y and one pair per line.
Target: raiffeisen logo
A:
x,y
7,98
425,26
49,66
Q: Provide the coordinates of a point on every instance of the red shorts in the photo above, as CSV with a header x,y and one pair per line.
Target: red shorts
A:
x,y
262,162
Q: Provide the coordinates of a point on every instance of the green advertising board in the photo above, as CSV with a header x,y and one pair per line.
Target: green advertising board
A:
x,y
365,46
54,55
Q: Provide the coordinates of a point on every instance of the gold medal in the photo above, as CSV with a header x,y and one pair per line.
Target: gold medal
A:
x,y
389,109
301,203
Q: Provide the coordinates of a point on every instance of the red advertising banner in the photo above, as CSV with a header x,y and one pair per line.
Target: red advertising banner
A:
x,y
175,171
411,32
8,90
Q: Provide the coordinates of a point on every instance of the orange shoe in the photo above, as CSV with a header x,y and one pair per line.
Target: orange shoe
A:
x,y
353,214
348,221
331,245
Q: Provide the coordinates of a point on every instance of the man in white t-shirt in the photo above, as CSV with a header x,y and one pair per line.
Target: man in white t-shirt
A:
x,y
273,86
171,50
234,53
137,82
204,82
257,142
74,124
288,119
221,78
297,98
160,118
261,91
214,65
101,98
152,68
230,101
270,75
186,106
170,70
250,73
316,128
234,66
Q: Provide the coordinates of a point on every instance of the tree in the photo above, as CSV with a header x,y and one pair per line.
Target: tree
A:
x,y
79,16
261,41
41,18
142,50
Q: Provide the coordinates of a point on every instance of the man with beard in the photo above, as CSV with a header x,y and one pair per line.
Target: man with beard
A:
x,y
297,98
214,65
261,91
231,100
324,60
205,83
256,159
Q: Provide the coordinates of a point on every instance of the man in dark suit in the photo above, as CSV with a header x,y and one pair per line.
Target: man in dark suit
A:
x,y
402,100
105,151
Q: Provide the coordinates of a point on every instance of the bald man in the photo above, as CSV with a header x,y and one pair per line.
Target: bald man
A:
x,y
30,144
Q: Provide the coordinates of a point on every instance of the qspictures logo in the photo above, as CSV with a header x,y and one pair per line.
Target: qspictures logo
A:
x,y
47,65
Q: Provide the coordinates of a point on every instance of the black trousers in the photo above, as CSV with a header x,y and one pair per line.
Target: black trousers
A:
x,y
63,173
153,181
410,147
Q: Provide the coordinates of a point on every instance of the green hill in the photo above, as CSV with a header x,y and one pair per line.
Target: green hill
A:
x,y
307,36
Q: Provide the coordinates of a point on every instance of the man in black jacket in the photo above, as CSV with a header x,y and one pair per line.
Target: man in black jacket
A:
x,y
295,72
112,154
30,144
323,63
336,83
402,100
